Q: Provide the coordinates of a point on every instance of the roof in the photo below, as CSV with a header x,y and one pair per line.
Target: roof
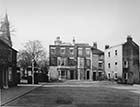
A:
x,y
82,44
7,45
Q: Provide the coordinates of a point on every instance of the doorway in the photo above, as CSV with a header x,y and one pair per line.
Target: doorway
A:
x,y
88,75
94,76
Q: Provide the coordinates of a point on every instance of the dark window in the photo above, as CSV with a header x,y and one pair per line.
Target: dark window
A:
x,y
100,65
115,52
71,62
52,51
108,54
53,61
115,75
115,63
63,61
71,51
109,75
62,51
108,65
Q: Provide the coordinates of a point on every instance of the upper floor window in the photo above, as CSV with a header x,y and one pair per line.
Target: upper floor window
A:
x,y
116,63
52,50
100,65
10,55
72,51
79,51
59,61
62,50
88,62
87,51
63,61
71,61
116,52
125,64
108,54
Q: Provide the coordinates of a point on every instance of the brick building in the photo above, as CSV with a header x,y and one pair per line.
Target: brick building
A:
x,y
122,61
71,60
7,57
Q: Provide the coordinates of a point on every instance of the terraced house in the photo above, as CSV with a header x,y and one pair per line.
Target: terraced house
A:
x,y
73,61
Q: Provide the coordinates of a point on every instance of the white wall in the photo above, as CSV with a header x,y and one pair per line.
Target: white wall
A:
x,y
112,59
53,73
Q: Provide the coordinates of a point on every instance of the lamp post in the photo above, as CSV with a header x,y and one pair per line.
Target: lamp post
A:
x,y
32,71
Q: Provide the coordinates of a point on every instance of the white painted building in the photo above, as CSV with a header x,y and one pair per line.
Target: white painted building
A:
x,y
113,62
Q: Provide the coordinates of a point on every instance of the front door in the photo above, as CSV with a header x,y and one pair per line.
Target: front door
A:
x,y
71,74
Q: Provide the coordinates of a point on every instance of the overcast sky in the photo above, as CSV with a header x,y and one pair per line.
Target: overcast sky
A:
x,y
103,21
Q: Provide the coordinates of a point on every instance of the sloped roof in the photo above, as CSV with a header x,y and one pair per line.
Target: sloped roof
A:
x,y
97,51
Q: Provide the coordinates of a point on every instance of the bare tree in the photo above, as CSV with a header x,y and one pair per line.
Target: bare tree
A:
x,y
33,51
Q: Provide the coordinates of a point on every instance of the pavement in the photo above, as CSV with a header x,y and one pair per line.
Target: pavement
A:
x,y
8,95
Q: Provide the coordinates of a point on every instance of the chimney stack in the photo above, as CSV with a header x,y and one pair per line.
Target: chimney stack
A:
x,y
106,46
129,38
95,45
73,40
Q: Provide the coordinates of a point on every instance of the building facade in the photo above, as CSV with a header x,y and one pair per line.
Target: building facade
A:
x,y
7,57
72,61
122,62
62,60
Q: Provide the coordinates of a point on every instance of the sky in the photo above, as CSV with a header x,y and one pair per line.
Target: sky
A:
x,y
102,21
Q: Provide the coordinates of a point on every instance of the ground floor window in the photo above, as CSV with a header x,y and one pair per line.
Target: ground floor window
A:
x,y
126,76
116,76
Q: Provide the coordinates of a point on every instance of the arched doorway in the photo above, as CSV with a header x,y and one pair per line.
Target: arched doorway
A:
x,y
88,75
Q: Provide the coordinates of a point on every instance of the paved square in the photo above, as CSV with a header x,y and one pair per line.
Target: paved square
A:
x,y
80,94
